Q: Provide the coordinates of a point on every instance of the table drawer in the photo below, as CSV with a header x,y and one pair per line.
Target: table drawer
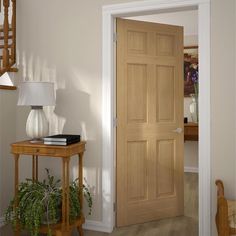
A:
x,y
40,151
191,132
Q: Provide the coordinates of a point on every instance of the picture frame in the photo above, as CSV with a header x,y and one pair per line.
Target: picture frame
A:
x,y
190,70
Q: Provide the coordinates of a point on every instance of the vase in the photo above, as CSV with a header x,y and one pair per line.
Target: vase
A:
x,y
193,108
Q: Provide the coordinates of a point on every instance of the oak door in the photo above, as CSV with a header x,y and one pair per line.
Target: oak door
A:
x,y
149,122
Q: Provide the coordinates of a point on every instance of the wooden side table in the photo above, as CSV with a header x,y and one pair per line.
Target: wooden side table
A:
x,y
191,131
36,150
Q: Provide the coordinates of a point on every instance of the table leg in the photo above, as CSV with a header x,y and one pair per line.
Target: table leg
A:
x,y
63,193
37,168
67,193
17,231
33,168
80,230
80,175
16,173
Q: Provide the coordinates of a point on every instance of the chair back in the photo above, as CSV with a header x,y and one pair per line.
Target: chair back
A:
x,y
221,218
220,188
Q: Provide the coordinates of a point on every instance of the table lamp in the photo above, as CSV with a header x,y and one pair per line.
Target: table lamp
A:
x,y
36,95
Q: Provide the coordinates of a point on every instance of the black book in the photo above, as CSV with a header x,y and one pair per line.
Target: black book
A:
x,y
67,138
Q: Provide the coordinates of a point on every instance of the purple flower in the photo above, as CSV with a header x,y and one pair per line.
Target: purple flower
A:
x,y
195,76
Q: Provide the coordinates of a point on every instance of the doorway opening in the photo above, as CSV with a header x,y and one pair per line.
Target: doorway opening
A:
x,y
110,13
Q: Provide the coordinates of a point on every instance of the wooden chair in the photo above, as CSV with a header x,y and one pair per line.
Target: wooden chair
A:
x,y
226,213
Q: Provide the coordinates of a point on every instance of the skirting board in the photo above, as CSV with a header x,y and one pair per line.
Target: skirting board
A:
x,y
191,169
97,226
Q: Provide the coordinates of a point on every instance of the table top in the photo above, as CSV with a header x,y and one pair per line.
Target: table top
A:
x,y
40,149
27,143
191,124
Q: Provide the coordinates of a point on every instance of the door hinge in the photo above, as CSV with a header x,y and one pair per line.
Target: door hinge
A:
x,y
114,207
115,37
115,121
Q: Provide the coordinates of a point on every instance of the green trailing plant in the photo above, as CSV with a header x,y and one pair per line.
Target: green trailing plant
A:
x,y
40,203
74,201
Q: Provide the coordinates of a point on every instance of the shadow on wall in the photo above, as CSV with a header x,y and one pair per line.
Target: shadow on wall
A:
x,y
72,114
73,106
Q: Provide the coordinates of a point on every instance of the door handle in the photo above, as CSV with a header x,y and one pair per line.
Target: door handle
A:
x,y
178,130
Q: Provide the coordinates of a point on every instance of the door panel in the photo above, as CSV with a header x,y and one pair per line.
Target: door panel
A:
x,y
165,89
137,42
165,45
137,169
165,168
149,108
137,93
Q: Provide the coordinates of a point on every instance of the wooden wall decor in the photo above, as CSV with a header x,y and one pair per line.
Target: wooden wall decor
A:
x,y
8,37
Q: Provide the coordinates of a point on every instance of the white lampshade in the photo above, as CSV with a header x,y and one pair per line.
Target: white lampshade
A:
x,y
36,94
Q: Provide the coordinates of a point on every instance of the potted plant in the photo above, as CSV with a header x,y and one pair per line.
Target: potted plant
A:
x,y
40,203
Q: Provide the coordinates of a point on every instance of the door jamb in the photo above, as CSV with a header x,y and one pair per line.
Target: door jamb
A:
x,y
110,13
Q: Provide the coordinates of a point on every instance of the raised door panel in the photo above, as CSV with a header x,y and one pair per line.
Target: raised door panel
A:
x,y
137,42
165,45
137,93
165,154
165,93
137,170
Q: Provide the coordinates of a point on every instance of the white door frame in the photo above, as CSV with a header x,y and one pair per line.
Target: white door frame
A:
x,y
110,13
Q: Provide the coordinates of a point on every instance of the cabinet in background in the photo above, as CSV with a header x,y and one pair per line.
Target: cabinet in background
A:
x,y
191,131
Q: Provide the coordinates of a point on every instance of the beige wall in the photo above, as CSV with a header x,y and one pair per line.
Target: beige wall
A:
x,y
223,93
223,107
61,41
7,136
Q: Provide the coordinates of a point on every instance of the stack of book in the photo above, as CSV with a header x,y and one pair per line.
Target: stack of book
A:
x,y
61,139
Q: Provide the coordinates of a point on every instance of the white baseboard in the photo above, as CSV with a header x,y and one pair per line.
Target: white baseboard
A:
x,y
1,221
97,226
191,169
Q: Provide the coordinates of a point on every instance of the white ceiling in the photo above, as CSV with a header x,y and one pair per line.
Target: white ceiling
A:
x,y
187,19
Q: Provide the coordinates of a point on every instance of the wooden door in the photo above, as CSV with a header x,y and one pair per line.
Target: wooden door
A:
x,y
149,122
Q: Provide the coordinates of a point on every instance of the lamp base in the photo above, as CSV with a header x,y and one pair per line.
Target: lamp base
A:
x,y
37,125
